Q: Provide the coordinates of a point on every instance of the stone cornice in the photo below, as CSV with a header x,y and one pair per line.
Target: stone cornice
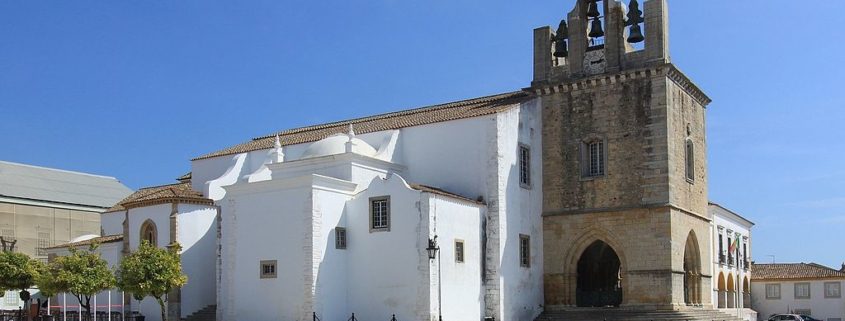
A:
x,y
667,70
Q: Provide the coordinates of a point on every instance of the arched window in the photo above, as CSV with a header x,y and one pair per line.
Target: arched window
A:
x,y
149,232
690,160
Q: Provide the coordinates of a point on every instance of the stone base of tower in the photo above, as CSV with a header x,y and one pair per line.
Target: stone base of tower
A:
x,y
661,265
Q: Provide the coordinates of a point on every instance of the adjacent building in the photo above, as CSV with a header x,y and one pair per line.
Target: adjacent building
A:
x,y
731,262
800,288
40,207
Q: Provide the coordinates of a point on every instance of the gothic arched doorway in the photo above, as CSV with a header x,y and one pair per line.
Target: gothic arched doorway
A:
x,y
692,271
599,277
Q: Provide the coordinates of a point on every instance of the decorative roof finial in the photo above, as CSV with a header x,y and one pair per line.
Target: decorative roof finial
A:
x,y
277,155
351,130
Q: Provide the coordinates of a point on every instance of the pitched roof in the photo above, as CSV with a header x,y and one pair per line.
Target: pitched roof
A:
x,y
59,186
98,240
435,190
793,271
162,194
401,119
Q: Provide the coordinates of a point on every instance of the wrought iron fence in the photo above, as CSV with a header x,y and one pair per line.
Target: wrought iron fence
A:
x,y
351,318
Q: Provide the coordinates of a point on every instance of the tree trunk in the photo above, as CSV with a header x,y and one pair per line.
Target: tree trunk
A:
x,y
163,309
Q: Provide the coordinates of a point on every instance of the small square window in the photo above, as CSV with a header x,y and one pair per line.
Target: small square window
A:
x,y
772,291
380,214
802,290
268,269
524,250
524,166
340,238
459,251
832,290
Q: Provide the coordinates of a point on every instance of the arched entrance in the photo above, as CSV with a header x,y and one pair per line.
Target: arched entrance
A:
x,y
746,293
692,271
731,291
722,292
599,277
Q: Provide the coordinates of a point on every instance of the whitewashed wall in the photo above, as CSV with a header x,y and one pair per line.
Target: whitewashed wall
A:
x,y
384,276
160,215
265,223
522,287
197,233
112,222
822,308
463,292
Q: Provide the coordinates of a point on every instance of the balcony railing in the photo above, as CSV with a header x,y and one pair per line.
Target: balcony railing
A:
x,y
722,258
730,260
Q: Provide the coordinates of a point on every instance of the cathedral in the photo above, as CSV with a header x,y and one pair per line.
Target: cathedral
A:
x,y
583,195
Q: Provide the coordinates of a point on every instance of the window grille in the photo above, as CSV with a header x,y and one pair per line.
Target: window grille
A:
x,y
340,238
524,166
459,251
380,213
524,250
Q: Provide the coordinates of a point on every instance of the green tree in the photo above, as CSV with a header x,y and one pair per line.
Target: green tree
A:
x,y
153,272
18,272
82,274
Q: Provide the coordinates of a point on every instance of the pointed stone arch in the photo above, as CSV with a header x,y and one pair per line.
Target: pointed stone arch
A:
x,y
599,277
692,270
576,250
149,232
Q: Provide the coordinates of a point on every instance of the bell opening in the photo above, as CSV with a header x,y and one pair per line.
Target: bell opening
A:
x,y
595,24
635,26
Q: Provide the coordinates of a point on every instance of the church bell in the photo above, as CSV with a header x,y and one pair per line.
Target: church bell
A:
x,y
593,9
636,34
561,50
596,29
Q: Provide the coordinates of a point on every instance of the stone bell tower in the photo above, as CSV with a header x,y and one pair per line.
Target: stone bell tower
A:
x,y
625,173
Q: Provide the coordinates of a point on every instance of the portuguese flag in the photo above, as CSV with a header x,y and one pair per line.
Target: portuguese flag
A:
x,y
734,245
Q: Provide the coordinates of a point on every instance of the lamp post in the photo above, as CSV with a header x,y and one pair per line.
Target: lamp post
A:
x,y
432,254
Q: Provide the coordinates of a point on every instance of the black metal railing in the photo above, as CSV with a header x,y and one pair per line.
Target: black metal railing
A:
x,y
314,317
722,258
730,260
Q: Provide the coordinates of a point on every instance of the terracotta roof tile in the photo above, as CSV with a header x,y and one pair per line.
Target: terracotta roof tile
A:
x,y
792,271
98,240
161,194
401,119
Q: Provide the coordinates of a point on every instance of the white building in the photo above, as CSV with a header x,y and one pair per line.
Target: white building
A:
x,y
732,261
799,288
336,219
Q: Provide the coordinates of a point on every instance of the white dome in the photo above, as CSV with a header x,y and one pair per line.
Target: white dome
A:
x,y
84,238
336,144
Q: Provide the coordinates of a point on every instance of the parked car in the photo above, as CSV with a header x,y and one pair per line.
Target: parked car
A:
x,y
792,317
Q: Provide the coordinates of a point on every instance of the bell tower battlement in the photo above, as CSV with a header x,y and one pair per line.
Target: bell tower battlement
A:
x,y
602,36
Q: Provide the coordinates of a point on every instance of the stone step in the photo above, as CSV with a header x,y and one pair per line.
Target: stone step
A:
x,y
208,313
629,315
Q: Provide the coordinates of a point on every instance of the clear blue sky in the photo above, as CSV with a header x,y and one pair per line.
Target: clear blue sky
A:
x,y
134,89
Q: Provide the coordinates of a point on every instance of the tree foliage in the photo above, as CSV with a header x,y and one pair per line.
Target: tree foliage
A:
x,y
82,273
151,272
18,271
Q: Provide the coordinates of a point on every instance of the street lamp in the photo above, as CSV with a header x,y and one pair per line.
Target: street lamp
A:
x,y
432,250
